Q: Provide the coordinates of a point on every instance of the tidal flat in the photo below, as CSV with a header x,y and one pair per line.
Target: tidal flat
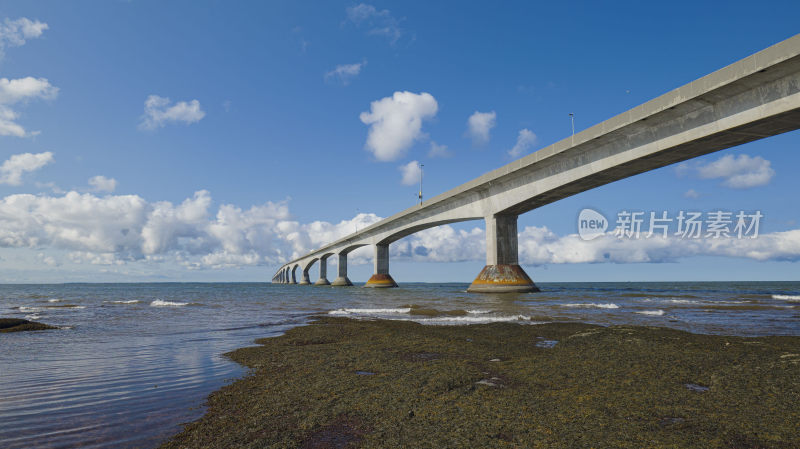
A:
x,y
341,382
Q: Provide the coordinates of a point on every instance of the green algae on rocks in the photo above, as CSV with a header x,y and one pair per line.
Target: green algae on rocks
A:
x,y
18,325
500,385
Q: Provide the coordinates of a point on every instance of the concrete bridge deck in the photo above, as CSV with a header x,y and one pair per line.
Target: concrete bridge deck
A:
x,y
756,97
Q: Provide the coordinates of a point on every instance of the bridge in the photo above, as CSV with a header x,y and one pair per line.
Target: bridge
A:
x,y
756,97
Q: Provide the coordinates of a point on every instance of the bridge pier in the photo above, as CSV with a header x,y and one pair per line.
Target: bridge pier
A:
x,y
502,273
292,277
306,279
381,278
323,271
341,280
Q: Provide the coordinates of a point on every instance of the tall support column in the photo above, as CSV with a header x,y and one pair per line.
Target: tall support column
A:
x,y
381,277
341,280
292,277
306,279
502,272
323,271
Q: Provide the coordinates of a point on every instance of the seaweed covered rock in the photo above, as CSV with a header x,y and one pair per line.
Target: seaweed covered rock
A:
x,y
386,384
19,325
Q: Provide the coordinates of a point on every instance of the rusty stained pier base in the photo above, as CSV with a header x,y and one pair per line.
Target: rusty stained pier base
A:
x,y
381,278
502,273
502,279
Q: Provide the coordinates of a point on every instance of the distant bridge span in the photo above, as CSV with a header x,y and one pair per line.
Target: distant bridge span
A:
x,y
756,97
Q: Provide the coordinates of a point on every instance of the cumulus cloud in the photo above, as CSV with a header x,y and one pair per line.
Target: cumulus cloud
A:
x,y
119,229
12,170
525,140
158,112
478,126
396,122
738,172
100,183
691,193
14,33
344,73
438,150
411,173
21,91
540,246
378,22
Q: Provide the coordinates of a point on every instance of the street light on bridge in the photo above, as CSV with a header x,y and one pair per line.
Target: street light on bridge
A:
x,y
420,184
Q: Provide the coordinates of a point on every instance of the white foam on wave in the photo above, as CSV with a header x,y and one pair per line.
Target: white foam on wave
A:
x,y
24,309
651,312
478,312
369,311
792,298
54,300
130,301
160,303
33,316
472,319
682,301
598,305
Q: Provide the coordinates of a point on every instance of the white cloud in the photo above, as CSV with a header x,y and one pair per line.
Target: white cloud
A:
x,y
14,33
158,112
411,173
525,140
12,170
738,172
344,73
540,246
478,126
691,193
396,122
439,150
21,91
119,229
378,22
100,183
50,261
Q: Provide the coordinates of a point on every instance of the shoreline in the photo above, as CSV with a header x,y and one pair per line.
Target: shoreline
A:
x,y
340,382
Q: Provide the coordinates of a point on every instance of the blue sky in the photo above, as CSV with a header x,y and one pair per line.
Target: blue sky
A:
x,y
263,108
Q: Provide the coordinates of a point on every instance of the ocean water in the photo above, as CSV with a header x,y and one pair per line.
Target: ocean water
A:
x,y
132,362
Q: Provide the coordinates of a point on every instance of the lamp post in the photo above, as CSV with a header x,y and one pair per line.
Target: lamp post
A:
x,y
420,184
572,119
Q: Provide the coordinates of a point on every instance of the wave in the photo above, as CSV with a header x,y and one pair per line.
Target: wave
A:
x,y
369,311
64,306
608,305
54,300
160,303
24,309
682,301
130,301
33,317
473,319
478,312
791,298
651,312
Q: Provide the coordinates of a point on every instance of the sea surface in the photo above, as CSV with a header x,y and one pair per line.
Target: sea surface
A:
x,y
132,362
